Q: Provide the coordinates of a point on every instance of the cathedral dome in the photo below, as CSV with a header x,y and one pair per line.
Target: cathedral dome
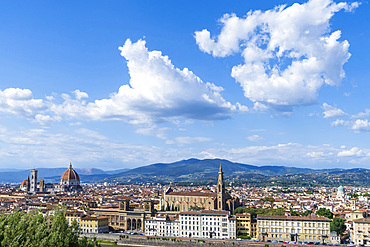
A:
x,y
341,189
70,177
25,182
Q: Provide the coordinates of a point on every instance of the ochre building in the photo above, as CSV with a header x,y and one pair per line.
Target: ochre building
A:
x,y
245,225
293,228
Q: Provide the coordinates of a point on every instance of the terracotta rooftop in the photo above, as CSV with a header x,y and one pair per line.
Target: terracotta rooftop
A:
x,y
218,212
363,220
192,194
283,217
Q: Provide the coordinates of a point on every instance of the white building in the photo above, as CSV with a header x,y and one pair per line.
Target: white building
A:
x,y
162,226
361,232
207,224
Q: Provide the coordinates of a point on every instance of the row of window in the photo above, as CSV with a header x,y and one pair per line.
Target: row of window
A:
x,y
202,200
287,223
299,237
309,231
205,218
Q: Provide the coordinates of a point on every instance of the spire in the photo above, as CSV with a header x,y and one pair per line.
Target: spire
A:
x,y
220,190
70,165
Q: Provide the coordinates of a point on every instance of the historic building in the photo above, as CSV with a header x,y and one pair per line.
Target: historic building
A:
x,y
69,181
245,225
361,232
162,226
88,223
216,224
25,185
185,201
293,228
340,193
125,217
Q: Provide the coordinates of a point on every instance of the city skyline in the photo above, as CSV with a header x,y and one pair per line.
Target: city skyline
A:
x,y
127,84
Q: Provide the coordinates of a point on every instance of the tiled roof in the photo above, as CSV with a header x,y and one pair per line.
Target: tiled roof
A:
x,y
217,212
192,194
283,217
363,220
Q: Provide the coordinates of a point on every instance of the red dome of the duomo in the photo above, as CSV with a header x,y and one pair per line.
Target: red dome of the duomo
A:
x,y
70,177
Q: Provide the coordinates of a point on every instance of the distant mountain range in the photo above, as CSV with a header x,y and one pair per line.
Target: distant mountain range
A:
x,y
206,171
51,175
203,171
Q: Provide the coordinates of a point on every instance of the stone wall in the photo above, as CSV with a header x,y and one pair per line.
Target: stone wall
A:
x,y
183,242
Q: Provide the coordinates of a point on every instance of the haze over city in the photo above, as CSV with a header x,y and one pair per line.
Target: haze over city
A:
x,y
122,84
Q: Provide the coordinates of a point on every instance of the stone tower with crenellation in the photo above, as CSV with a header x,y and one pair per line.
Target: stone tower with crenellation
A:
x,y
33,183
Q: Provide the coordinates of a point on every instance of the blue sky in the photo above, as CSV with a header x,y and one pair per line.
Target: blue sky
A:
x,y
128,83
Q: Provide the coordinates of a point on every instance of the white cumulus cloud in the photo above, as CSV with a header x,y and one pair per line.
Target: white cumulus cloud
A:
x,y
361,125
80,95
289,52
157,91
354,151
366,113
254,138
20,102
182,140
331,111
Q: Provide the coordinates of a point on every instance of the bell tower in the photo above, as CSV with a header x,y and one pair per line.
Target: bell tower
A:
x,y
221,190
33,185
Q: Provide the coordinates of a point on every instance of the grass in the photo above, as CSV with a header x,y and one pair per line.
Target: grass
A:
x,y
106,242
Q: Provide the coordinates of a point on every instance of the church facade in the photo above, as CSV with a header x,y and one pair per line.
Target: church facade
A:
x,y
187,201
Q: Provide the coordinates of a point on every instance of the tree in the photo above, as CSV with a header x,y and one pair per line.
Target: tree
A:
x,y
307,213
268,199
33,230
338,225
61,234
259,211
293,213
325,212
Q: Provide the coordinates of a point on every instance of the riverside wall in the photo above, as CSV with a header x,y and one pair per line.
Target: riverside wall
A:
x,y
136,240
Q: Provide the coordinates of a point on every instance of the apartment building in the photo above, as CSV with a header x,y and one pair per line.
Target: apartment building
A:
x,y
162,225
361,232
245,225
207,224
293,228
87,223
